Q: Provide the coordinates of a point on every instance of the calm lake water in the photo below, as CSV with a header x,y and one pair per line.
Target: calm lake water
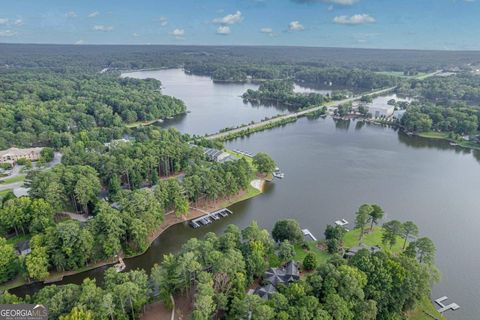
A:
x,y
332,168
212,106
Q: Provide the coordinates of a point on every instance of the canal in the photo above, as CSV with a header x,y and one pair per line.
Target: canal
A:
x,y
332,168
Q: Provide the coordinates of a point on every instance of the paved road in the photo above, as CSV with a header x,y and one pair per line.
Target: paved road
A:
x,y
296,114
11,186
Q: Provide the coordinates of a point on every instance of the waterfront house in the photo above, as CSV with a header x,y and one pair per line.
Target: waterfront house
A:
x,y
217,155
381,111
275,276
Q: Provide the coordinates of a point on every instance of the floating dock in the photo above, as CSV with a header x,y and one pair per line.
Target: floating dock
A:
x,y
443,307
307,233
209,218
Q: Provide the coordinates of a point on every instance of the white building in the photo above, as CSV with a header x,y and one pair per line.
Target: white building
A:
x,y
12,155
384,111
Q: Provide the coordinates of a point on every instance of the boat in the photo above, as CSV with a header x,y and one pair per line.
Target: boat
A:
x,y
341,222
279,175
454,144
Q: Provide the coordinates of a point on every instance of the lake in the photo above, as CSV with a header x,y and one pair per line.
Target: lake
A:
x,y
331,169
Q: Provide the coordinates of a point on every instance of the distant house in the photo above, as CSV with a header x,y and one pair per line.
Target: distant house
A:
x,y
217,155
275,276
379,111
23,247
12,155
354,250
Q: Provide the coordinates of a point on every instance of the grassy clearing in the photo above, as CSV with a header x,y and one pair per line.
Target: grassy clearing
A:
x,y
250,193
423,311
373,238
445,136
3,193
300,252
13,179
240,156
142,123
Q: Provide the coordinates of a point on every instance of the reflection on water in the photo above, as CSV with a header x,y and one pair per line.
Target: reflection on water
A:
x,y
212,106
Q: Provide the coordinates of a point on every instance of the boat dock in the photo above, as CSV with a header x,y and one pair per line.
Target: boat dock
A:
x,y
243,153
209,218
307,233
443,307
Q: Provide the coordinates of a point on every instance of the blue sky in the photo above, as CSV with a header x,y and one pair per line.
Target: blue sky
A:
x,y
410,24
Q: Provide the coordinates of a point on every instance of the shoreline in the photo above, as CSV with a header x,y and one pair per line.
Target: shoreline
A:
x,y
169,221
442,136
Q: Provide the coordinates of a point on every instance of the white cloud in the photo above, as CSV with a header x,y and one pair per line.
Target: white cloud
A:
x,y
136,34
80,42
295,26
229,19
163,21
342,2
178,33
355,19
224,30
7,33
102,27
8,22
266,30
71,14
93,14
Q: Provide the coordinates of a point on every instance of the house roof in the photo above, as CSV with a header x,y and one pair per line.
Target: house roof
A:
x,y
266,292
19,152
21,192
23,245
291,269
288,273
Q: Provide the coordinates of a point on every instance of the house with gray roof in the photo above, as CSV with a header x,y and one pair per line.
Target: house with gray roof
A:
x,y
275,276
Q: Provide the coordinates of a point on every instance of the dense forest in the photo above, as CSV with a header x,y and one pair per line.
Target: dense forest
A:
x,y
39,107
458,119
350,78
216,273
446,90
281,92
97,57
126,188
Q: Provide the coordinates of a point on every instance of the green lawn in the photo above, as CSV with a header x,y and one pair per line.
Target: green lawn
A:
x,y
444,136
13,180
422,311
251,192
239,156
434,135
300,253
3,193
373,238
